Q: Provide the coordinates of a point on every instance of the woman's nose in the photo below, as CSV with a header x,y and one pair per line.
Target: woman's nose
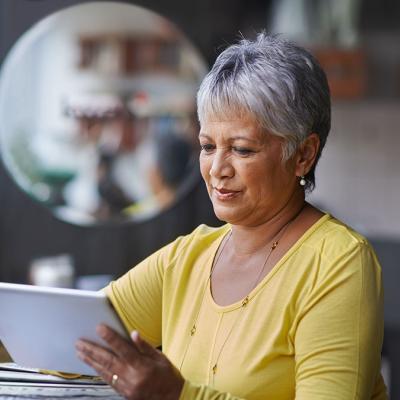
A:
x,y
221,166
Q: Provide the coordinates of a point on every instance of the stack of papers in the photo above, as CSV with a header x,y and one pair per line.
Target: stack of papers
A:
x,y
25,382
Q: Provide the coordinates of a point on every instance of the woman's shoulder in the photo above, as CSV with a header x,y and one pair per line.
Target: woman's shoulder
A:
x,y
332,228
332,236
333,253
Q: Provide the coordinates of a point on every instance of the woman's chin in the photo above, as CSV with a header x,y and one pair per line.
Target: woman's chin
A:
x,y
226,214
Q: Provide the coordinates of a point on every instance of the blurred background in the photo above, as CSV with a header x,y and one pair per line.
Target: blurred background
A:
x,y
98,130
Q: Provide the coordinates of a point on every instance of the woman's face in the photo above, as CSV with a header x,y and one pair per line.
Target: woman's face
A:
x,y
242,167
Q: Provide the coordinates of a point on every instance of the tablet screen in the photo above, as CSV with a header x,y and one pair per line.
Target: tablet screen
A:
x,y
39,326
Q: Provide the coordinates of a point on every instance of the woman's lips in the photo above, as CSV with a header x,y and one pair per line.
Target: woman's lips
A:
x,y
225,194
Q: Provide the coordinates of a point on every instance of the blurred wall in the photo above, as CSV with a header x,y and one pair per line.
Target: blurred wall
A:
x,y
358,176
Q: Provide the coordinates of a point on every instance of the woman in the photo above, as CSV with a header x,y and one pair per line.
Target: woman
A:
x,y
283,301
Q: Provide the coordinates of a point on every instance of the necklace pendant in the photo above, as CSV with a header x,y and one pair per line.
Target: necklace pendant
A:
x,y
274,245
214,369
245,301
193,330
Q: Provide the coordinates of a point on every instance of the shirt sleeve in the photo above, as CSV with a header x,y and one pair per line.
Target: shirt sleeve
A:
x,y
137,295
339,333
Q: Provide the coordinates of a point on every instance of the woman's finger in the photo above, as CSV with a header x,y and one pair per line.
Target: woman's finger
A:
x,y
119,345
94,363
114,375
103,358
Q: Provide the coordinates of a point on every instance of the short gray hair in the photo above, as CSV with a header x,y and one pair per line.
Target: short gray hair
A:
x,y
275,81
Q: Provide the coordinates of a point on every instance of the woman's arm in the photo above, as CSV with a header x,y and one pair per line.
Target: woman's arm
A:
x,y
338,336
137,295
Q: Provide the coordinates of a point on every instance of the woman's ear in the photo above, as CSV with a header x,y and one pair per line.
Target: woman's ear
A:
x,y
307,154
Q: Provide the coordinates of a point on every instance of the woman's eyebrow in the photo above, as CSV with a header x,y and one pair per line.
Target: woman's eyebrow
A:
x,y
232,139
244,138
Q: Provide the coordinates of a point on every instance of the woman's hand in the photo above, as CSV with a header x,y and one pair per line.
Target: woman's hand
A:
x,y
135,369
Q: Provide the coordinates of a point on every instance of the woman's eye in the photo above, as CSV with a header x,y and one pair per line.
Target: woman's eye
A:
x,y
207,148
242,151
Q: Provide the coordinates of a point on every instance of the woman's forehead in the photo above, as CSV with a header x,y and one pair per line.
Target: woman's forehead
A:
x,y
235,128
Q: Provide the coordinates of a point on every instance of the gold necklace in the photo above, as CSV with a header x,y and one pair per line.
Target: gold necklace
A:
x,y
194,327
275,242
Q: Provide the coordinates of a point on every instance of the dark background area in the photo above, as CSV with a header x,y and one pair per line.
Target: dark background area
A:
x,y
28,230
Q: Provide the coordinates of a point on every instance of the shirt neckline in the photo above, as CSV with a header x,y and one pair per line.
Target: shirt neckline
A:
x,y
269,276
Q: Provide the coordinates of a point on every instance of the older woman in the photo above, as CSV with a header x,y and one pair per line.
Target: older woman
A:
x,y
282,302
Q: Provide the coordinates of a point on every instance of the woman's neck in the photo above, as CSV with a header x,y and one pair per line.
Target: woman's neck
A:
x,y
247,240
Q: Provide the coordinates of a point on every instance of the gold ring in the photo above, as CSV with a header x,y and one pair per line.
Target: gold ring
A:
x,y
114,379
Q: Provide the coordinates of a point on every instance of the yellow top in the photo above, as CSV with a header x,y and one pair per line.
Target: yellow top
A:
x,y
312,329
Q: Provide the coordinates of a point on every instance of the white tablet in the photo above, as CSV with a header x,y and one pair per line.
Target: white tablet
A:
x,y
39,326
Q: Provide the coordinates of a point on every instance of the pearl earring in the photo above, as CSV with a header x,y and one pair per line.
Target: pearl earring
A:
x,y
302,181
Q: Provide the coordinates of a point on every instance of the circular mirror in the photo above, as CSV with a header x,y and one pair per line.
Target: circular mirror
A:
x,y
97,112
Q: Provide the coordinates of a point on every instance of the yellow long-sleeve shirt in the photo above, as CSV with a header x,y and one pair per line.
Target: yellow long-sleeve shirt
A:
x,y
312,329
